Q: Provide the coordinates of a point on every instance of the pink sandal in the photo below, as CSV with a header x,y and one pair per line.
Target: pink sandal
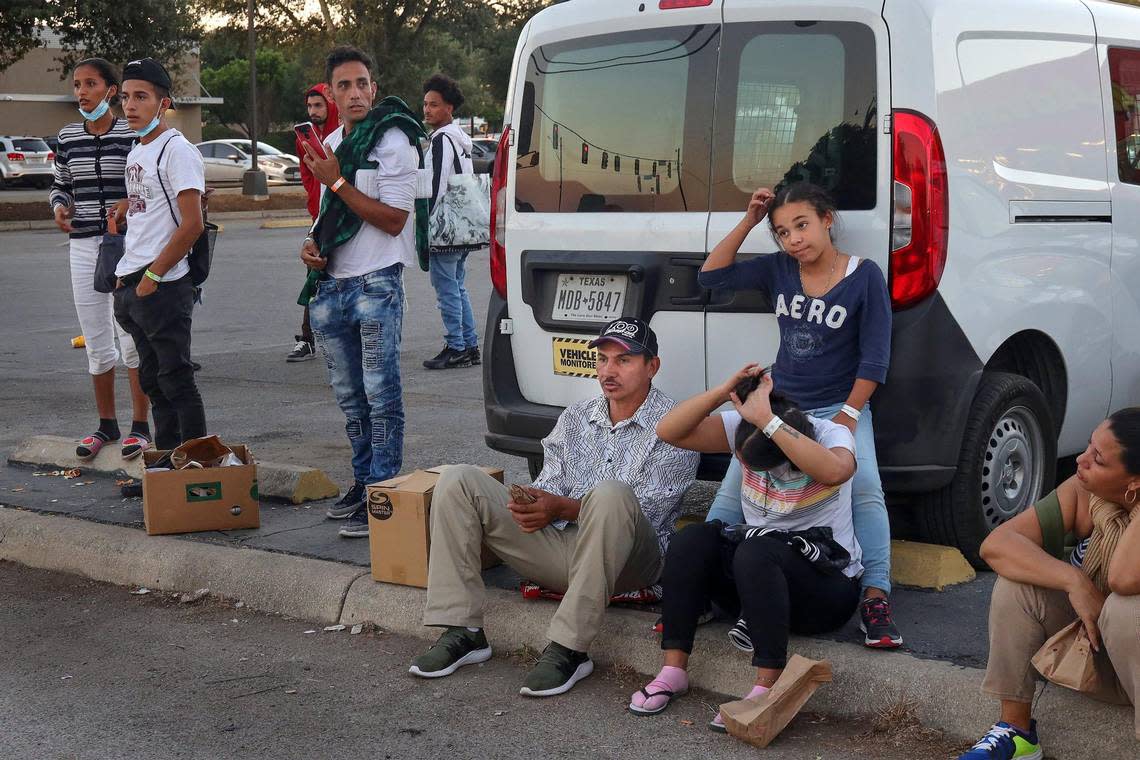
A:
x,y
134,445
89,447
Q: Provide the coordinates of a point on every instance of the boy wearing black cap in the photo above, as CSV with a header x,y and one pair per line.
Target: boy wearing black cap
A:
x,y
597,522
154,299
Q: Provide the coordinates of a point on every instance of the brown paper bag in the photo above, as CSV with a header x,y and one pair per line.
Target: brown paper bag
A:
x,y
759,721
207,451
1067,659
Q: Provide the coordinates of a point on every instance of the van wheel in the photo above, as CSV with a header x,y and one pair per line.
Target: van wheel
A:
x,y
1008,458
534,464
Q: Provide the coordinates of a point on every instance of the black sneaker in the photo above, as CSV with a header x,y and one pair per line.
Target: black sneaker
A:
x,y
349,503
302,352
455,648
875,622
356,526
473,355
557,671
448,358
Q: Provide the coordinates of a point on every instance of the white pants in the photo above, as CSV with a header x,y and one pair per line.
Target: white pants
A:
x,y
96,312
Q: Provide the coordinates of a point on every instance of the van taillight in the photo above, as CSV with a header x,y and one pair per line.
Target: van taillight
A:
x,y
920,218
499,214
15,156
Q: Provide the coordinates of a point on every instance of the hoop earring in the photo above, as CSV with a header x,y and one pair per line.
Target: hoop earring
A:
x,y
1130,496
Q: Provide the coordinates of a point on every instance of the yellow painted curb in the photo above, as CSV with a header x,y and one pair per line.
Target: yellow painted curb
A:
x,y
280,224
928,565
687,520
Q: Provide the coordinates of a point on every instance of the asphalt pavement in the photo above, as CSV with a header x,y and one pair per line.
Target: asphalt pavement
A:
x,y
105,674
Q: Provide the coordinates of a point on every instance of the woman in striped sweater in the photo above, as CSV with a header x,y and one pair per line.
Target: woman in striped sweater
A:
x,y
89,167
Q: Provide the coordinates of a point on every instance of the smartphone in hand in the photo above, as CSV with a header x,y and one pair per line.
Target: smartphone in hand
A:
x,y
308,134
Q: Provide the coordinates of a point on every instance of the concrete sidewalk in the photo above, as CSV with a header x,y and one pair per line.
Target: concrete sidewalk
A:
x,y
296,565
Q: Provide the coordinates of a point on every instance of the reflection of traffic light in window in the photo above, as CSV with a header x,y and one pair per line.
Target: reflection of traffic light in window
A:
x,y
654,168
617,163
637,168
585,153
605,159
554,138
668,168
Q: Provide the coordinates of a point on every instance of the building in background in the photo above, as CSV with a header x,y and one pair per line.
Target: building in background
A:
x,y
34,101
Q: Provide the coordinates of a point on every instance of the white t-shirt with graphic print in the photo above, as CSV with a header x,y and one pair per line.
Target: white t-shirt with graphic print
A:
x,y
786,499
149,222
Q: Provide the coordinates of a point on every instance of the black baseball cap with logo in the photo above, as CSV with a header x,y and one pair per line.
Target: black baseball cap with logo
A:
x,y
148,70
632,334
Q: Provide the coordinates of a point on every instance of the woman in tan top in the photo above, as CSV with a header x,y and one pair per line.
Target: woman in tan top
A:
x,y
1040,591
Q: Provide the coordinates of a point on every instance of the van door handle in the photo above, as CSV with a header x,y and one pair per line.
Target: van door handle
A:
x,y
689,262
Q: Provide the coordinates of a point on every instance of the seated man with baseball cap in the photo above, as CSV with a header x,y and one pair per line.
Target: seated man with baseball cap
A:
x,y
603,511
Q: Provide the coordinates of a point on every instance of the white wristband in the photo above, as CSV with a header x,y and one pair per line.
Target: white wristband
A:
x,y
771,428
851,412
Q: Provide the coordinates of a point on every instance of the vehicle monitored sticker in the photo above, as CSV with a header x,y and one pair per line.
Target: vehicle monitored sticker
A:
x,y
573,357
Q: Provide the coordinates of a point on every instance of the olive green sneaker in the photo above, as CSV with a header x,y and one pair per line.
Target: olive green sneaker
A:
x,y
455,648
556,672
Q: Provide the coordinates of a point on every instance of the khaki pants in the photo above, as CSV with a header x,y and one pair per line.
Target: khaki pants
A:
x,y
1022,617
611,549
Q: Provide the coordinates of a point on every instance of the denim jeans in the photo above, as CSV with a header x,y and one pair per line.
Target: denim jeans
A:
x,y
869,508
358,322
448,272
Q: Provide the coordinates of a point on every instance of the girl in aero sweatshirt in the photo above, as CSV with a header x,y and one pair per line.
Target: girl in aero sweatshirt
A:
x,y
835,335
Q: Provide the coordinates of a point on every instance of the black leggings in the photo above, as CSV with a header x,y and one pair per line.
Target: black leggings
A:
x,y
776,589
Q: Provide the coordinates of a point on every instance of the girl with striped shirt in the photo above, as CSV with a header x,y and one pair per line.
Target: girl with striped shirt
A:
x,y
89,179
794,565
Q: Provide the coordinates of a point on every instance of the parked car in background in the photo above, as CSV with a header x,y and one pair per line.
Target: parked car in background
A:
x,y
483,155
25,159
228,160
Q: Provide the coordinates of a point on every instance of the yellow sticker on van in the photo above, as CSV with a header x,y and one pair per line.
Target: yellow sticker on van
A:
x,y
573,357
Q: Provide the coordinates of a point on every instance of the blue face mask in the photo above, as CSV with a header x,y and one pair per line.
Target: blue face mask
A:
x,y
97,114
153,123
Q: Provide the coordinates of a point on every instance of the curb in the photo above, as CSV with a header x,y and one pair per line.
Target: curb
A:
x,y
943,695
300,587
293,483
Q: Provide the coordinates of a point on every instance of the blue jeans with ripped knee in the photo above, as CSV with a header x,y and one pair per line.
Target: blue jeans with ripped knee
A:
x,y
358,323
869,508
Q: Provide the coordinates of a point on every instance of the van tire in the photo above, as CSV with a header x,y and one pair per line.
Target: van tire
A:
x,y
534,465
976,501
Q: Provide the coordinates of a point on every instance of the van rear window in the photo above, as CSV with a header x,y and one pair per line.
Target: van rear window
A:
x,y
618,122
796,101
1124,66
30,145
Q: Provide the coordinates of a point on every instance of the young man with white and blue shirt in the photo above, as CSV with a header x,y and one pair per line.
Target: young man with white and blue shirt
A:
x,y
154,299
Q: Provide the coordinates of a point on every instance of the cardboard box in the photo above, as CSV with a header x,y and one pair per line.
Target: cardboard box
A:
x,y
191,500
399,526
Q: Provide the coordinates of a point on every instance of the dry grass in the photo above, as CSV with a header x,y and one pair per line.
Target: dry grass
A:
x,y
526,655
898,724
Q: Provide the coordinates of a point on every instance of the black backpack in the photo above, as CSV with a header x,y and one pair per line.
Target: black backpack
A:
x,y
201,254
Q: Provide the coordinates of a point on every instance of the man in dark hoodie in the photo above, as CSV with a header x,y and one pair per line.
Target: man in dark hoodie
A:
x,y
324,116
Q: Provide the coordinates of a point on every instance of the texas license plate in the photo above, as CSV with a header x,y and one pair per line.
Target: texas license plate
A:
x,y
589,297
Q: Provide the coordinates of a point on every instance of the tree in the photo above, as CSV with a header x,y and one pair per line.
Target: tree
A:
x,y
471,41
280,91
111,29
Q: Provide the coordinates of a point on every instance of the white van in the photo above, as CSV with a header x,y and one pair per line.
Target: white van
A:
x,y
985,154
